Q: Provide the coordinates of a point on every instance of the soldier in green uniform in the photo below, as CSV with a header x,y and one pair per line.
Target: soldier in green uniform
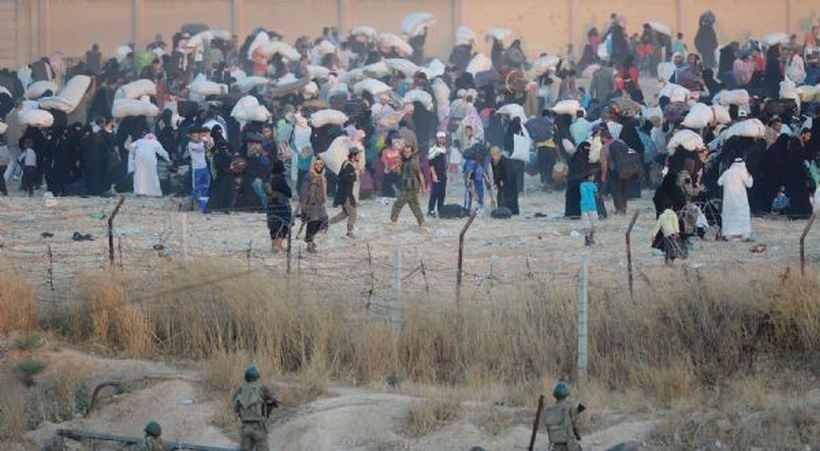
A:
x,y
411,183
153,441
561,419
253,403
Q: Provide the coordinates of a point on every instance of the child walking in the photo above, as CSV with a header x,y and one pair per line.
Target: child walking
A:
x,y
589,208
667,235
28,160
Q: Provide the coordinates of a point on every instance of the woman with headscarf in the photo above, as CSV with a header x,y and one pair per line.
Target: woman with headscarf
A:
x,y
312,202
706,39
514,56
579,169
221,157
517,167
279,214
505,181
796,180
773,75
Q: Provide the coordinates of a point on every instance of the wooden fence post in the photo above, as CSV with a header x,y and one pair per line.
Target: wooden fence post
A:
x,y
111,231
461,253
629,250
803,244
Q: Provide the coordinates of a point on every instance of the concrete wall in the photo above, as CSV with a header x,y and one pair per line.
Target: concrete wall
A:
x,y
32,27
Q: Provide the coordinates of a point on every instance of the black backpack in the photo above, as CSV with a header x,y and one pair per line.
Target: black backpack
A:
x,y
501,213
627,161
452,211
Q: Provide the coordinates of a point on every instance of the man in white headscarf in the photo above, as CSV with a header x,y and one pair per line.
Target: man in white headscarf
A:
x,y
143,162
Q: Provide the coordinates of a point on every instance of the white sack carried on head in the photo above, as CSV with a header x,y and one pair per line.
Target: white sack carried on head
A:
x,y
327,116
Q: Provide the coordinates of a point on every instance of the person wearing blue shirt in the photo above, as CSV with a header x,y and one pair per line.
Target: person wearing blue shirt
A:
x,y
589,209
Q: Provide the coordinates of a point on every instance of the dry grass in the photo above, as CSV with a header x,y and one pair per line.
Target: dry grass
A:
x,y
426,416
18,305
494,420
13,418
677,341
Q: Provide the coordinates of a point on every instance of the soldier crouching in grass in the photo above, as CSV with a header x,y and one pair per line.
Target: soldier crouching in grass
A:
x,y
253,403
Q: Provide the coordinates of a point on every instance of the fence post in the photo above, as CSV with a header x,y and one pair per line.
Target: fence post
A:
x,y
803,244
629,250
395,311
461,253
183,218
583,325
111,231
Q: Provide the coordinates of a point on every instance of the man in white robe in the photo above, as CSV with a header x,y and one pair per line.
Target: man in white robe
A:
x,y
143,157
737,220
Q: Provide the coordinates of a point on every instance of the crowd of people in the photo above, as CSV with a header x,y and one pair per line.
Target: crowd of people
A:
x,y
252,126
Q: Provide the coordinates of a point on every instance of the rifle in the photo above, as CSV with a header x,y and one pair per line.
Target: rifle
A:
x,y
536,422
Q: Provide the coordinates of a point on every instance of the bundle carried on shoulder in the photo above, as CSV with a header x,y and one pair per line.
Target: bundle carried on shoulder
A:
x,y
392,40
788,90
775,38
364,30
688,139
569,106
417,95
246,84
749,128
378,69
465,35
513,110
38,88
660,28
75,89
731,97
133,107
203,87
699,116
808,93
479,63
248,109
371,85
442,94
122,51
136,89
405,66
435,68
259,41
57,103
498,33
675,92
415,23
282,48
545,64
721,114
337,153
327,116
666,70
318,72
36,118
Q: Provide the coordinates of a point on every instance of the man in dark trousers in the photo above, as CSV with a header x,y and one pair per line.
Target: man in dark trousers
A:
x,y
346,182
437,155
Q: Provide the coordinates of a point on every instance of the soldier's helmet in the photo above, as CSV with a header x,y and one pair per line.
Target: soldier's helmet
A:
x,y
251,373
561,390
153,429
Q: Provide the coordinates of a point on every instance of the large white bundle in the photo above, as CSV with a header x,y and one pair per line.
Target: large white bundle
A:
x,y
406,67
690,140
259,41
136,89
248,109
417,95
590,70
36,118
286,79
3,128
522,144
328,116
377,70
513,110
653,112
479,63
435,68
338,88
675,93
808,93
282,48
121,52
749,128
337,153
318,72
371,85
465,35
721,114
201,86
38,88
133,107
199,39
666,70
311,90
603,53
442,94
30,105
364,30
545,63
699,116
24,75
247,83
55,103
325,48
3,90
498,33
788,90
569,106
731,97
775,38
352,76
660,28
391,40
415,23
75,89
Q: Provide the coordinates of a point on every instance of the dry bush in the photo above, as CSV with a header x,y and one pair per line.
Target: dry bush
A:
x,y
18,305
13,418
494,420
426,416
